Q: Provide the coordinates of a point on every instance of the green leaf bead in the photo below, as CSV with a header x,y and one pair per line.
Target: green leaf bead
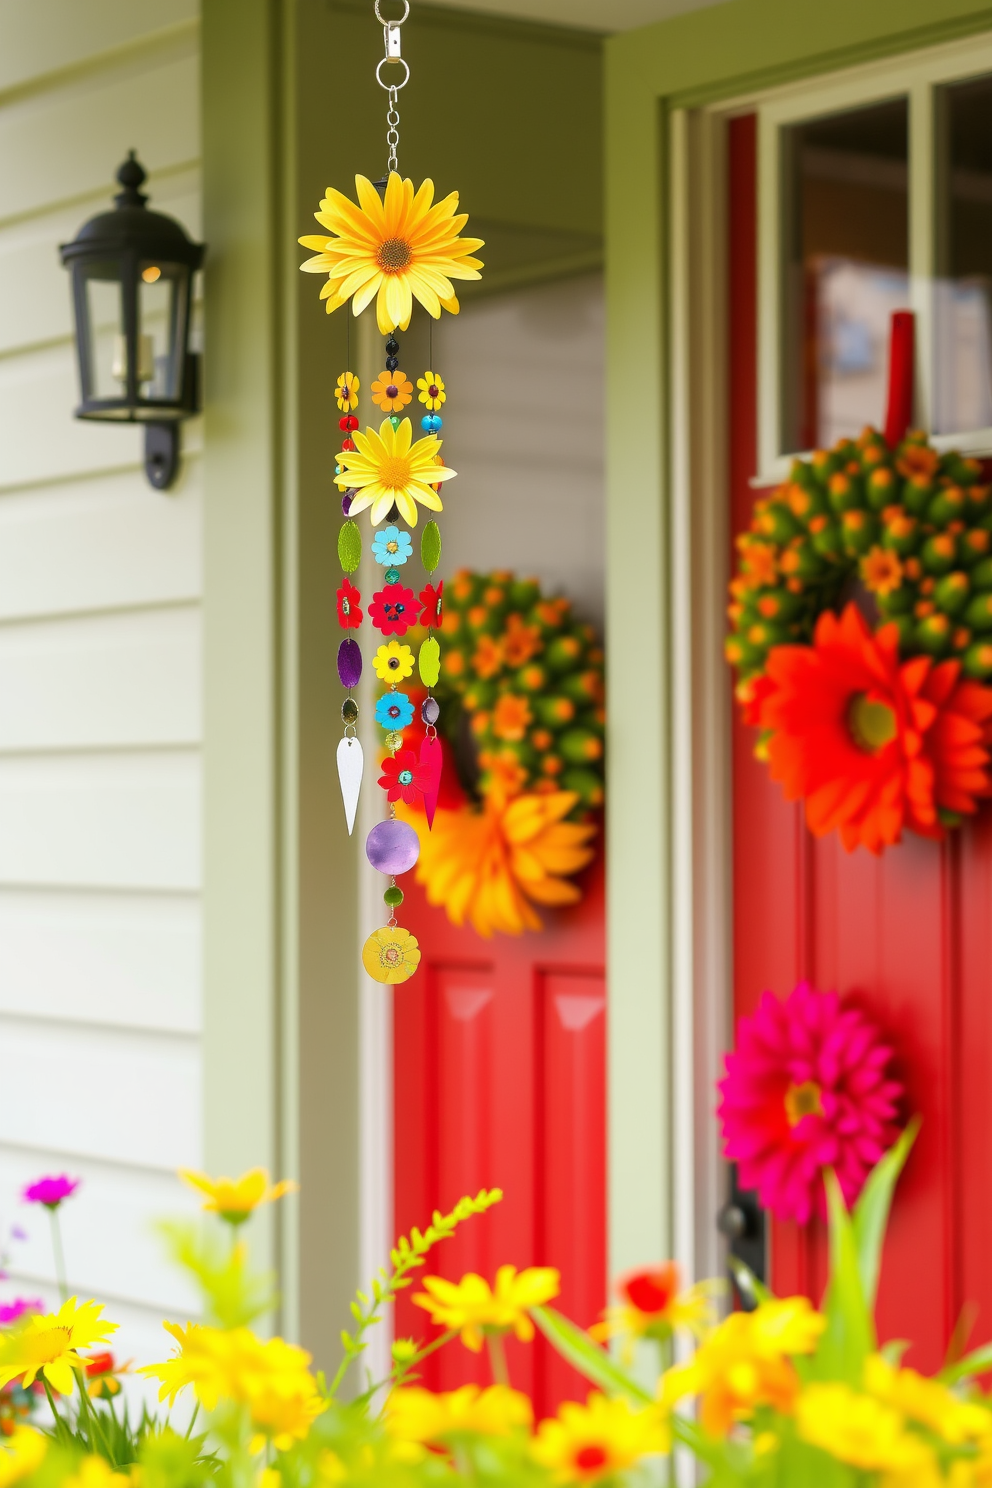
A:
x,y
430,547
393,896
429,662
350,546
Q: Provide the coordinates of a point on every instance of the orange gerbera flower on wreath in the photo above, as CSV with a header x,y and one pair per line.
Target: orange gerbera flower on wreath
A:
x,y
872,744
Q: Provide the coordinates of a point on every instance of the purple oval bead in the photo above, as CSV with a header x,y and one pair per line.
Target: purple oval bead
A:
x,y
350,664
346,501
392,847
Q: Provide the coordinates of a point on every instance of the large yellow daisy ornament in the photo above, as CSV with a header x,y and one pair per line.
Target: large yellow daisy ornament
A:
x,y
389,467
394,250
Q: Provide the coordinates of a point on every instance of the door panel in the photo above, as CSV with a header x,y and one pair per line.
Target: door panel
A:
x,y
499,1077
908,935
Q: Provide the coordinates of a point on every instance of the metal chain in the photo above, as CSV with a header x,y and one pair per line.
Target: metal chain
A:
x,y
394,56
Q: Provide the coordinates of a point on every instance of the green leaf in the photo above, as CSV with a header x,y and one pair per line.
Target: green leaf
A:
x,y
579,1350
871,1212
977,1362
850,1332
350,546
430,547
747,1283
429,662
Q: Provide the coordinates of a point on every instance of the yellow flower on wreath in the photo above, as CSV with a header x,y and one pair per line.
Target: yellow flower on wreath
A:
x,y
391,467
393,662
392,391
417,1415
47,1345
431,393
394,249
234,1199
585,1443
490,867
391,955
862,1432
346,392
21,1455
473,1308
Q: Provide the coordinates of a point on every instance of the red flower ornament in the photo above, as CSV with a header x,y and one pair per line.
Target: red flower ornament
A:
x,y
870,743
430,598
404,777
394,609
349,614
807,1088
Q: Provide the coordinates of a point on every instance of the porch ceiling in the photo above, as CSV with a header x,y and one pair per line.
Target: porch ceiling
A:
x,y
591,15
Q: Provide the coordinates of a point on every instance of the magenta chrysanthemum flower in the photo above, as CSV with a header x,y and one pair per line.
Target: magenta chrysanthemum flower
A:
x,y
50,1191
807,1088
11,1311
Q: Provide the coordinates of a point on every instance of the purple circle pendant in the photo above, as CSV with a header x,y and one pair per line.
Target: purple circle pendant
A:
x,y
392,847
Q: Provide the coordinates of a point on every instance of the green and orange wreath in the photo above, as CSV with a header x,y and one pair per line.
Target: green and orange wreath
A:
x,y
861,615
522,720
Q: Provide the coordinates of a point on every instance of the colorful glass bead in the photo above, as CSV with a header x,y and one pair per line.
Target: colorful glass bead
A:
x,y
392,345
346,501
349,711
395,420
394,740
392,847
430,711
431,423
393,896
392,575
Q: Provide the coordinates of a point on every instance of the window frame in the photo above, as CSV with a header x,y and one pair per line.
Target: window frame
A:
x,y
916,77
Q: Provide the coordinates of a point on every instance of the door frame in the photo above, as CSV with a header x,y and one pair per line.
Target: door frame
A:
x,y
669,894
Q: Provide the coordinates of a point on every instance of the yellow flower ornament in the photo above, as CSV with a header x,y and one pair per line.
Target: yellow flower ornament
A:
x,y
234,1199
391,955
393,662
390,467
394,250
346,392
431,393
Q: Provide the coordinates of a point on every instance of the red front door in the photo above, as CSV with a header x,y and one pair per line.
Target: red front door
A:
x,y
500,1083
909,933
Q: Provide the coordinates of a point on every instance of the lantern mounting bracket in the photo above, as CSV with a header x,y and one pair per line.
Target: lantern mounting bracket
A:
x,y
161,454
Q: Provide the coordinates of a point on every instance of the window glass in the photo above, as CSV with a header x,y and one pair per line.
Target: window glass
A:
x,y
846,251
962,374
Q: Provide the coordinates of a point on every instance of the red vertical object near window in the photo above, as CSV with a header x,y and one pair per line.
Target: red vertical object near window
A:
x,y
908,934
499,1082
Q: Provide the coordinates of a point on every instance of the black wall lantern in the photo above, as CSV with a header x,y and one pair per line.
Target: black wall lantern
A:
x,y
132,280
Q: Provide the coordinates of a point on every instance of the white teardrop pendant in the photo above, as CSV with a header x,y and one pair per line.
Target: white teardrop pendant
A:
x,y
351,765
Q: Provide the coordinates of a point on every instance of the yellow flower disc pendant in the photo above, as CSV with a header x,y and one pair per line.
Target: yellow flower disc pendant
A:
x,y
391,954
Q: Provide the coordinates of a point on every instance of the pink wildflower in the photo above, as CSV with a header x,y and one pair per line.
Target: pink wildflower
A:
x,y
50,1191
807,1088
11,1311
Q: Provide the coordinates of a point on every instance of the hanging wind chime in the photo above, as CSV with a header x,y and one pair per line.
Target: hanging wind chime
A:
x,y
396,245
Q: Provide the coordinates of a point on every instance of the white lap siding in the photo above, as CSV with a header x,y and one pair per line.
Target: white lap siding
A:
x,y
100,709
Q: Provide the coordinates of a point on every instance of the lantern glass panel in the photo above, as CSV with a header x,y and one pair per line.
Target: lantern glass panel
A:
x,y
104,353
162,293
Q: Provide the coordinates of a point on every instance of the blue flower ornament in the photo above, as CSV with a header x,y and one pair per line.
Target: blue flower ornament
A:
x,y
391,547
394,710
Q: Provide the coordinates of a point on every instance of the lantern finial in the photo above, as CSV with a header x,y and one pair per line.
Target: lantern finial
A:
x,y
131,176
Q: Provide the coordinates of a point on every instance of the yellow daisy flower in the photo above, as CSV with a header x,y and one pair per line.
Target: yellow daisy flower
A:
x,y
474,1308
881,571
391,955
862,1432
96,1472
584,1443
392,249
390,467
392,391
47,1345
927,1401
234,1199
418,1415
21,1455
393,662
432,392
346,392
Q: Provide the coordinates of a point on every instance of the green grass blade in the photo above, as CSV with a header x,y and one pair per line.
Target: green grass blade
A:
x,y
579,1350
871,1212
850,1332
